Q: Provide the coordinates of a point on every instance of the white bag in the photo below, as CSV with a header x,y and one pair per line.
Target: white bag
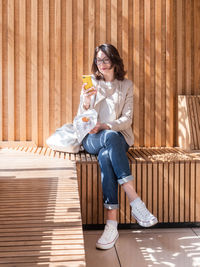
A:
x,y
84,123
64,139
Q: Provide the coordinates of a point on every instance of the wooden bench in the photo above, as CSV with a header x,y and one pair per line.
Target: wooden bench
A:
x,y
167,179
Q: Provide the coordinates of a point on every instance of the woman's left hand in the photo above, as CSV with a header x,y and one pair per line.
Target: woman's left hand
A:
x,y
98,127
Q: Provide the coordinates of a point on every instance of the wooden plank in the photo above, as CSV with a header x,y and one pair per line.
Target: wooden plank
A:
x,y
136,71
89,193
34,71
160,192
57,55
67,61
182,196
158,74
45,90
155,189
22,69
192,193
196,55
163,73
171,181
10,64
188,47
147,69
196,110
170,61
114,22
177,193
102,14
193,123
150,186
1,70
197,206
100,198
94,194
166,191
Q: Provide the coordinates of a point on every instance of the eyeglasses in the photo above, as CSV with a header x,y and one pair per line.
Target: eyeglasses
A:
x,y
104,61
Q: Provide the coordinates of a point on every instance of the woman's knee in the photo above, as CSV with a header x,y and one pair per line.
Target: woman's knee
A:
x,y
111,137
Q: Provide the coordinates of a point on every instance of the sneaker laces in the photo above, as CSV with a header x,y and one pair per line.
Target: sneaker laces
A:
x,y
143,210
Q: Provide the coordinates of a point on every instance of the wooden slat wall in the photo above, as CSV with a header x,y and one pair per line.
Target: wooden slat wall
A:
x,y
46,45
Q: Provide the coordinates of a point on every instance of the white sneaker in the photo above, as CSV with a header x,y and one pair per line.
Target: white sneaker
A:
x,y
142,215
108,238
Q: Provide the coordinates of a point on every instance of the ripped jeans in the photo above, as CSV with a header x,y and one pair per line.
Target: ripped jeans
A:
x,y
111,148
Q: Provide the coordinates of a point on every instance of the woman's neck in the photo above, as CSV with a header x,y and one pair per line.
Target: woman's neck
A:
x,y
109,78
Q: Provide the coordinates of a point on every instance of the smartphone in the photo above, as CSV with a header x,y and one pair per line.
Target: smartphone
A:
x,y
87,79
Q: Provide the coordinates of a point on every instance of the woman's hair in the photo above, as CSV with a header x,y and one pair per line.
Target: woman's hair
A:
x,y
112,53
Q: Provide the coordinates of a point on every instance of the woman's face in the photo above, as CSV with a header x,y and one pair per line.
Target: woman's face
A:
x,y
104,64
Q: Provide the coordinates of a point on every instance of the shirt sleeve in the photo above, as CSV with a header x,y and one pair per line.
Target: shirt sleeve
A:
x,y
125,119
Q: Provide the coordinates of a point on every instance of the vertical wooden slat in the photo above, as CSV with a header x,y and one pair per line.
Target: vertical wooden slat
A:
x,y
176,193
170,62
187,191
78,53
152,74
94,195
1,72
57,96
192,193
136,71
196,53
147,69
89,200
155,189
125,36
114,22
163,73
108,21
144,182
67,69
188,53
102,14
197,195
34,71
166,191
182,186
84,192
45,93
150,187
160,192
10,69
22,68
130,40
91,33
158,68
171,191
141,74
100,198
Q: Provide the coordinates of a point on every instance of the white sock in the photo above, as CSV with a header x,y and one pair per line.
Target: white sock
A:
x,y
132,203
112,222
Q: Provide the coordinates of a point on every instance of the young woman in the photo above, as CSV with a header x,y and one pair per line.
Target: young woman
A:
x,y
112,98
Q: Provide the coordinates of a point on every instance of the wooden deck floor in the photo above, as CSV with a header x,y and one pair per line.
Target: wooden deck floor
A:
x,y
40,220
167,247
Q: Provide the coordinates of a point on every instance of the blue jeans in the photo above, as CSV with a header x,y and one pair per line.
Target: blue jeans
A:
x,y
111,148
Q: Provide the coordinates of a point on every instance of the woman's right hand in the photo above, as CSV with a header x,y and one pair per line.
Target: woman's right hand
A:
x,y
88,93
